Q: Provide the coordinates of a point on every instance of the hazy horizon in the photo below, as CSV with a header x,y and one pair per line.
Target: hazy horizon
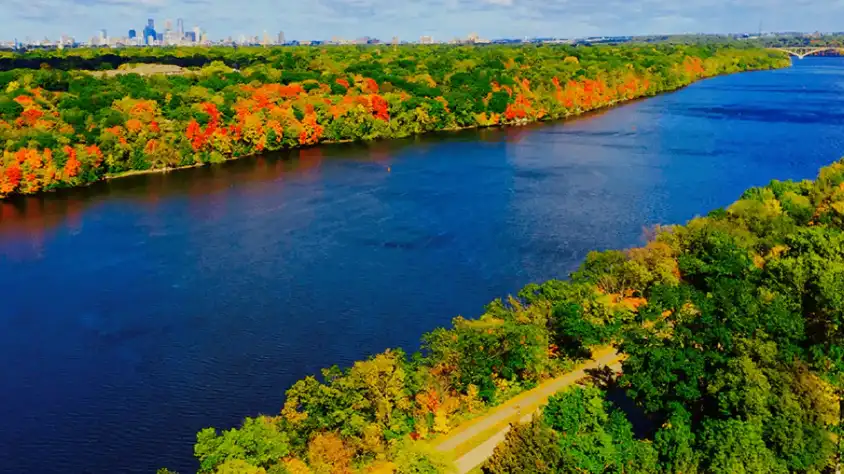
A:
x,y
442,19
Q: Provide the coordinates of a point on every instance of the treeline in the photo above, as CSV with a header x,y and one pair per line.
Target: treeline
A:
x,y
742,370
732,325
68,128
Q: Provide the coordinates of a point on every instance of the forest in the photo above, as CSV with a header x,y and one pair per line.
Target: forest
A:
x,y
65,123
732,328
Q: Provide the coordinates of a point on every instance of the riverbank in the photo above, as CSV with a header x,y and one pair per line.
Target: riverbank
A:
x,y
265,269
61,132
688,287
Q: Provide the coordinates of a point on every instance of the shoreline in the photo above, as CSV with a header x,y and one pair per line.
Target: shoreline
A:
x,y
500,126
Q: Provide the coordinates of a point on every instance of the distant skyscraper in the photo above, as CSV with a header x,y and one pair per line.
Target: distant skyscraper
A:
x,y
281,37
133,34
180,28
197,37
149,32
168,25
103,37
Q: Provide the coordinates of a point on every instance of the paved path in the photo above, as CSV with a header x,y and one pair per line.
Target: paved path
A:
x,y
532,398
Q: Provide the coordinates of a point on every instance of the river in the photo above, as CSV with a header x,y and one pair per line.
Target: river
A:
x,y
138,311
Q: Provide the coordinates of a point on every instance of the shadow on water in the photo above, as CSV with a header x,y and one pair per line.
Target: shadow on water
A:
x,y
146,308
31,214
605,378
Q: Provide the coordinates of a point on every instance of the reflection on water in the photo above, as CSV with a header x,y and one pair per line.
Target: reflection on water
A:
x,y
138,311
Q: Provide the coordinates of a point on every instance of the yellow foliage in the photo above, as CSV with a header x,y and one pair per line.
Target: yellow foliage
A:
x,y
296,466
238,466
471,401
441,421
329,454
381,467
373,440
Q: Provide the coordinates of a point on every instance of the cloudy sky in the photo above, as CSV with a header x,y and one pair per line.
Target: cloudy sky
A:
x,y
408,19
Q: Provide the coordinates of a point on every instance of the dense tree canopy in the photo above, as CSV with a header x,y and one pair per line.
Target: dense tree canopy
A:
x,y
740,365
63,126
732,327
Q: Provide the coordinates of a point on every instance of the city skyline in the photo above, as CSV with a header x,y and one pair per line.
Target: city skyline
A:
x,y
317,19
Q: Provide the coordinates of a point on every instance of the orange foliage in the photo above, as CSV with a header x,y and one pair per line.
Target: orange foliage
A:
x,y
29,117
380,108
328,452
72,166
370,86
213,114
94,152
195,135
134,125
693,66
519,109
24,100
343,82
312,131
10,179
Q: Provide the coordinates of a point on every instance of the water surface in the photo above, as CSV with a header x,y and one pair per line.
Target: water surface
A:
x,y
139,311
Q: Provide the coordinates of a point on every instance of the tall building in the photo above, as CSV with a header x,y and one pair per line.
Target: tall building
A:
x,y
197,37
180,28
149,32
133,34
281,37
168,25
103,40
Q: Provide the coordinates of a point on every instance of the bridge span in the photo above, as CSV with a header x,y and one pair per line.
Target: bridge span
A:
x,y
802,52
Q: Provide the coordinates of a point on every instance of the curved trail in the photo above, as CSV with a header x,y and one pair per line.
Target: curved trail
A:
x,y
512,410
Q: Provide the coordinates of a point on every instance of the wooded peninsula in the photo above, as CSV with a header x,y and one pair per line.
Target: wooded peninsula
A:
x,y
732,330
69,118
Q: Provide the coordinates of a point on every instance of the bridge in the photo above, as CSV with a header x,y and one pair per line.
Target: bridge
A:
x,y
802,52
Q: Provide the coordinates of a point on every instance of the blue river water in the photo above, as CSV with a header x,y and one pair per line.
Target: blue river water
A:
x,y
138,311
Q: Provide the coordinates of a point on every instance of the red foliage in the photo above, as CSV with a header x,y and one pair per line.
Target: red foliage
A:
x,y
518,109
195,135
29,117
213,114
343,82
312,131
370,86
380,108
153,126
24,100
13,178
72,166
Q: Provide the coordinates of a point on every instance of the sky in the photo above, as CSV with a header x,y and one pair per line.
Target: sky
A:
x,y
409,19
